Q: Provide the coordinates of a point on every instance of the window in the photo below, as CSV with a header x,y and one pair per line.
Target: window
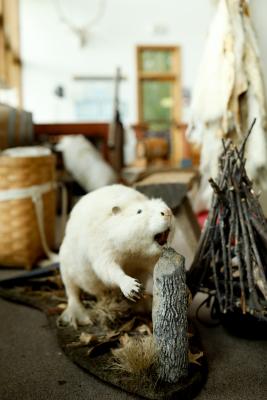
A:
x,y
94,98
159,93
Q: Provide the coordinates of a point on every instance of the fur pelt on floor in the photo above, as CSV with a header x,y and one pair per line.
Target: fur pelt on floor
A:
x,y
85,163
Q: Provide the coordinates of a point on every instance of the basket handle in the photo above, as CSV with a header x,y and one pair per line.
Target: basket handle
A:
x,y
38,202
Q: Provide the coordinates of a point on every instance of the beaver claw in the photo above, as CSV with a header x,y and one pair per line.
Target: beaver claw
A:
x,y
131,288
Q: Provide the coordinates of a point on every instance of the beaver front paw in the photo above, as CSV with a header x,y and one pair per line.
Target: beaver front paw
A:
x,y
131,288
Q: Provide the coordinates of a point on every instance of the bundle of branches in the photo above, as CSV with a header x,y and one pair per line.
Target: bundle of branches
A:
x,y
231,258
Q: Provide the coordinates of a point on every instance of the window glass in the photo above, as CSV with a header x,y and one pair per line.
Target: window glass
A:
x,y
156,61
157,103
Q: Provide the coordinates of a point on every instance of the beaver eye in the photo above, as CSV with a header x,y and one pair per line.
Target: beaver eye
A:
x,y
139,211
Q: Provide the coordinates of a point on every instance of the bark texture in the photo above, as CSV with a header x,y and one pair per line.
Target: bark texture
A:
x,y
169,316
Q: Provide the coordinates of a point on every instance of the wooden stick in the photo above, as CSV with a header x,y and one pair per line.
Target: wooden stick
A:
x,y
259,229
240,260
235,223
253,204
240,269
207,234
243,144
215,277
225,263
247,258
229,249
254,247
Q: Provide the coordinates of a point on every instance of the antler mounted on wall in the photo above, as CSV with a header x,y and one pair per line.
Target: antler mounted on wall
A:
x,y
82,30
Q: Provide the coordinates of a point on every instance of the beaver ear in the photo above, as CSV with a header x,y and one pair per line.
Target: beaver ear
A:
x,y
116,210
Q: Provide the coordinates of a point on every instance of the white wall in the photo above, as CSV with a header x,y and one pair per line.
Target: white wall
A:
x,y
51,53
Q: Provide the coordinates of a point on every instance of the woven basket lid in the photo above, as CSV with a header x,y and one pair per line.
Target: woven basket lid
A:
x,y
31,151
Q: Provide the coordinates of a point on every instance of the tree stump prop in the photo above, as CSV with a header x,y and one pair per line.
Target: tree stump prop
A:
x,y
169,316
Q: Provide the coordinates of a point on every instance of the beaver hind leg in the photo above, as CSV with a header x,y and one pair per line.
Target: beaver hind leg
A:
x,y
75,314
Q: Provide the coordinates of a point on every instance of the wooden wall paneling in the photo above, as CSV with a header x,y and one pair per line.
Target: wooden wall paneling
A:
x,y
7,15
13,22
2,58
10,64
1,12
2,46
14,37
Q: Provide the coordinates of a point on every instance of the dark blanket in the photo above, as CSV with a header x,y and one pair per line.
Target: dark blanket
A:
x,y
93,347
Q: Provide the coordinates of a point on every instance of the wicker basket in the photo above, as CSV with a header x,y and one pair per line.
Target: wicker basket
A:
x,y
20,240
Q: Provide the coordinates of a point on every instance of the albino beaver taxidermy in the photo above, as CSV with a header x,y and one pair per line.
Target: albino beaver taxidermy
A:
x,y
113,239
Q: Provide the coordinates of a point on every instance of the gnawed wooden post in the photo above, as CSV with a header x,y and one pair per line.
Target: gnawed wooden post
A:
x,y
169,316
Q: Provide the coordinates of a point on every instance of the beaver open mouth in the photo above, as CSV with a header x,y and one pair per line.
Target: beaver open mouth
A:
x,y
161,238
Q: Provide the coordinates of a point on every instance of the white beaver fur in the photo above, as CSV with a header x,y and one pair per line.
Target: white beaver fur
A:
x,y
110,242
85,163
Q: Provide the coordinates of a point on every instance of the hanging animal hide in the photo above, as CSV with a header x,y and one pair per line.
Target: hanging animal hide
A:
x,y
228,95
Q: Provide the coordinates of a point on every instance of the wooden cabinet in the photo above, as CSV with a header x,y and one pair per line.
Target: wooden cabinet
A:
x,y
10,63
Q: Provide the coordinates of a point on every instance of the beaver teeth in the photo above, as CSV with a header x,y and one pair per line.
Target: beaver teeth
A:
x,y
161,238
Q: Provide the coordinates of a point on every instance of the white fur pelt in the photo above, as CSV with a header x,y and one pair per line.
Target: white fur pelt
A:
x,y
228,95
85,163
110,242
